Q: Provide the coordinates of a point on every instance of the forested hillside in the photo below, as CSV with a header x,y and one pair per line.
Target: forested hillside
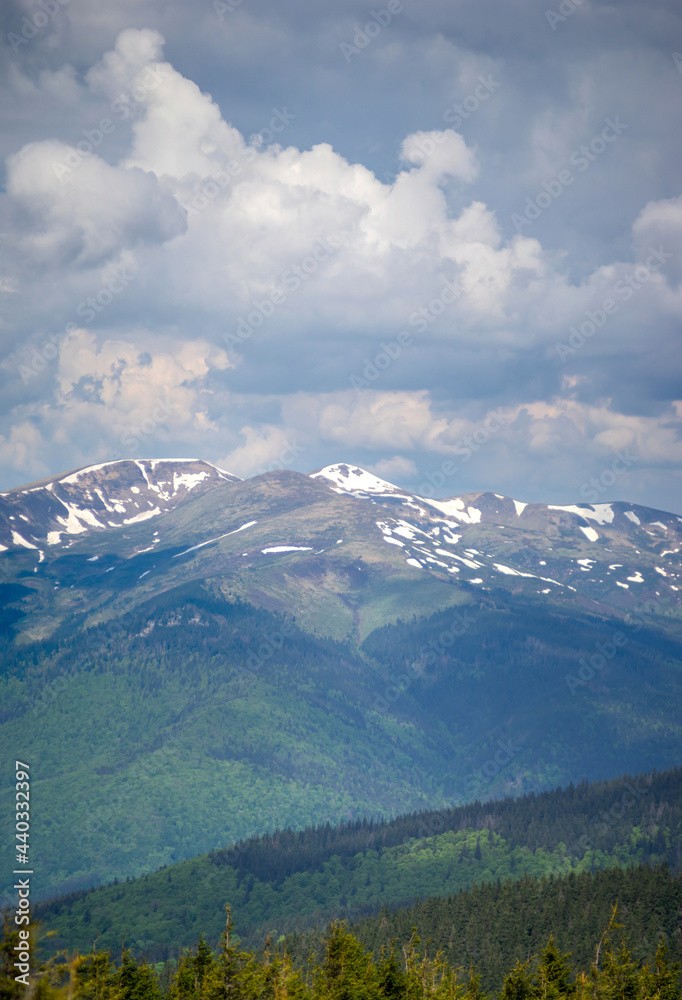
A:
x,y
231,720
294,881
512,959
495,925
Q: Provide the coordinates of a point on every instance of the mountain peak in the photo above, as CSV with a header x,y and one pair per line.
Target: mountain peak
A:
x,y
353,479
106,495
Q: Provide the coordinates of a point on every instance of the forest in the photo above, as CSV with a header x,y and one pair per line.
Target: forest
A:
x,y
347,970
293,881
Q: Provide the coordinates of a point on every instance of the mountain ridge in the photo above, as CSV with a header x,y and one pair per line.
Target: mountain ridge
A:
x,y
283,538
290,648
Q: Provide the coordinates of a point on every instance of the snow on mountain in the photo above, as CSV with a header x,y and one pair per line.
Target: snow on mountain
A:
x,y
527,535
97,497
614,552
352,479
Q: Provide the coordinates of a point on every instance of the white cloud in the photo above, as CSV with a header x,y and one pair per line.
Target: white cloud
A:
x,y
211,224
397,468
82,211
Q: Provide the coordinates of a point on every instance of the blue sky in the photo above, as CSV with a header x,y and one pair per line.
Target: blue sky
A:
x,y
411,237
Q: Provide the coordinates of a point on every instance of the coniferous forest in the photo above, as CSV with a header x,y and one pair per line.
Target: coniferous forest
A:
x,y
347,969
294,881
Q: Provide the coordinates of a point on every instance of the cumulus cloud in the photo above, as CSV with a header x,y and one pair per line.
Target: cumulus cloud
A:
x,y
269,272
79,210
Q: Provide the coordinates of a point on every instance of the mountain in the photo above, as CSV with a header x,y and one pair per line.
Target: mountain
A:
x,y
120,532
109,495
217,658
294,882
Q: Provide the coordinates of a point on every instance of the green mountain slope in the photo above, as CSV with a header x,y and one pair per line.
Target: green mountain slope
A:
x,y
293,881
500,928
493,926
198,720
189,659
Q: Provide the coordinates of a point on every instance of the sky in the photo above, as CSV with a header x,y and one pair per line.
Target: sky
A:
x,y
439,240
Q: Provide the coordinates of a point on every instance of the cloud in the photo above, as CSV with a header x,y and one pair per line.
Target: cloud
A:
x,y
79,210
217,185
398,467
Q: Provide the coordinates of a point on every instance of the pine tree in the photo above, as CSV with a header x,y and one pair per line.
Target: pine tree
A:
x,y
553,974
518,984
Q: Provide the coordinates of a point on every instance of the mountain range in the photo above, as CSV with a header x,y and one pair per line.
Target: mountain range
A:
x,y
123,530
190,658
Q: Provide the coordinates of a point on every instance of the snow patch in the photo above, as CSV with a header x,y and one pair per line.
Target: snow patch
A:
x,y
351,479
71,522
456,508
631,516
208,541
17,539
188,479
144,516
589,533
294,548
602,513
